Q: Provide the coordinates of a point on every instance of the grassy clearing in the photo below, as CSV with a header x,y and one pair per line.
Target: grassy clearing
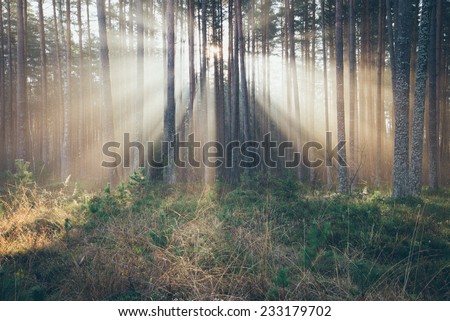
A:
x,y
267,239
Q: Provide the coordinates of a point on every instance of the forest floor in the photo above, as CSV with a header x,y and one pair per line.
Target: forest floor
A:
x,y
266,239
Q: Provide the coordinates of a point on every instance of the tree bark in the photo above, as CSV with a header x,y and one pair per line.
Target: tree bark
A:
x,y
415,177
342,170
45,126
325,85
9,119
107,102
169,114
352,92
433,180
244,108
2,96
21,87
191,22
66,55
380,85
401,100
139,104
81,143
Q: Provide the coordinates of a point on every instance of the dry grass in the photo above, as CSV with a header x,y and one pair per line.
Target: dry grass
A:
x,y
180,244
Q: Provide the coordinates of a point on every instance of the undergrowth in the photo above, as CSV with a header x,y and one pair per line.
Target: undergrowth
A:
x,y
269,238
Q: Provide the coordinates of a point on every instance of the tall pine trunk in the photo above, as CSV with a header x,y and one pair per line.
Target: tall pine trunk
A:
x,y
433,180
352,91
2,95
66,75
325,85
169,113
244,108
415,177
22,129
45,126
342,170
380,100
139,103
401,99
107,102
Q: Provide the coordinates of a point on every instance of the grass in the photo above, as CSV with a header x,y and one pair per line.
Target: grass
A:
x,y
266,239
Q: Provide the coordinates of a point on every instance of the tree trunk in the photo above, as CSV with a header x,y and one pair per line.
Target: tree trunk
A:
x,y
325,85
244,108
204,111
9,119
342,170
66,48
139,109
380,85
45,126
57,119
401,100
433,180
293,73
218,69
2,96
80,140
169,114
352,90
415,177
107,102
191,22
313,85
91,132
21,87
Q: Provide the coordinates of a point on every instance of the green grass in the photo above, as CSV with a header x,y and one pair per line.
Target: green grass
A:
x,y
267,239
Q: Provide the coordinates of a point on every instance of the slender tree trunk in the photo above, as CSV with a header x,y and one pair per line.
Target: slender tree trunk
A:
x,y
107,102
441,90
380,85
21,90
412,76
391,39
352,90
218,63
139,109
325,85
342,170
228,111
415,177
293,73
290,110
191,22
204,110
169,114
244,108
235,115
66,56
401,100
2,96
91,132
313,85
439,75
253,84
9,118
58,82
432,117
45,126
81,141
